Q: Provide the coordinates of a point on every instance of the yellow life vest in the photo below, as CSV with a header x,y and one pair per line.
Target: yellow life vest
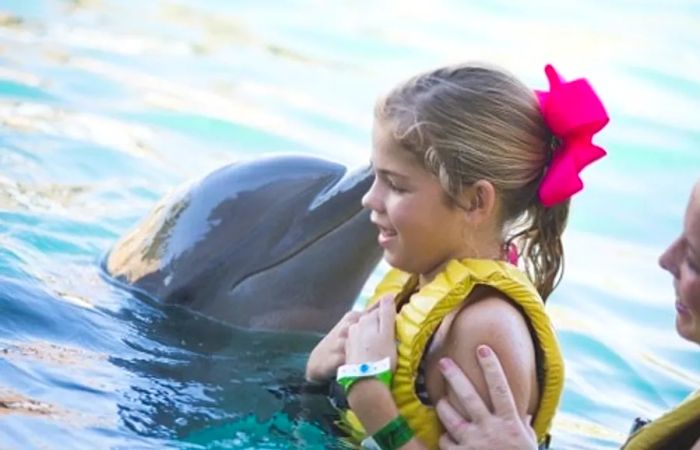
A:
x,y
419,318
680,423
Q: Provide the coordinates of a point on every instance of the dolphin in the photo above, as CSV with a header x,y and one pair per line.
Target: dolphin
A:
x,y
277,243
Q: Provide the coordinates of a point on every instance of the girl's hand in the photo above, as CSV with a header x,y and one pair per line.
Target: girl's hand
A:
x,y
372,338
329,353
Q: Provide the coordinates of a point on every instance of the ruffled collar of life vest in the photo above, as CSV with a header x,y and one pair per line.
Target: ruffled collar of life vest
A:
x,y
682,423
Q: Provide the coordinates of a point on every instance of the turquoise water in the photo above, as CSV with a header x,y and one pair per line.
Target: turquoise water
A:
x,y
106,105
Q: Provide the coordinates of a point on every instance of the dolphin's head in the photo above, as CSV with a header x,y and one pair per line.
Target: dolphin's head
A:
x,y
276,243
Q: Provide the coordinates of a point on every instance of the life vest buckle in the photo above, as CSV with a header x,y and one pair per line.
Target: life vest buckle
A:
x,y
638,423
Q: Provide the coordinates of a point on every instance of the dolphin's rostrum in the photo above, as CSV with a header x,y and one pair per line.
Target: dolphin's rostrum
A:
x,y
278,243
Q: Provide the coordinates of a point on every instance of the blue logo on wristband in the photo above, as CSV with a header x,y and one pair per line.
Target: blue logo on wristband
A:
x,y
364,368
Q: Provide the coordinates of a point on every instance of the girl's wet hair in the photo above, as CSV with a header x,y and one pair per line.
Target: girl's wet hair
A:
x,y
472,122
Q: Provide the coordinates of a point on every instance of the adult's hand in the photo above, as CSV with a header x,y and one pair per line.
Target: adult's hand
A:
x,y
696,446
501,429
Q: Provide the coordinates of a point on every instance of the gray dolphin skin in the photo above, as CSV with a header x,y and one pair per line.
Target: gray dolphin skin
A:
x,y
278,243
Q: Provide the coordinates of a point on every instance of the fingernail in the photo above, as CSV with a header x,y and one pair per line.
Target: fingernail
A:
x,y
483,351
446,364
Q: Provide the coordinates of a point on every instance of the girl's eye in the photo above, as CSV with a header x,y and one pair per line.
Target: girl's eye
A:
x,y
394,187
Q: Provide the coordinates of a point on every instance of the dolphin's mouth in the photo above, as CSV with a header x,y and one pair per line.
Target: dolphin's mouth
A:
x,y
340,204
360,214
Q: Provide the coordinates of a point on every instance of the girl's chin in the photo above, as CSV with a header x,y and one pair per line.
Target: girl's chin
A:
x,y
395,261
390,258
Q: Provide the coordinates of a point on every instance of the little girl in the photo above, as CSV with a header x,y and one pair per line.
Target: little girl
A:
x,y
472,170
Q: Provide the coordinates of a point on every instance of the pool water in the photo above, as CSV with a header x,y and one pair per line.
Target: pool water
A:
x,y
107,105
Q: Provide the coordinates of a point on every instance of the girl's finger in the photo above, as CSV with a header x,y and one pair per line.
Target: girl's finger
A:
x,y
337,360
340,345
369,315
348,320
370,321
387,316
352,316
376,304
352,331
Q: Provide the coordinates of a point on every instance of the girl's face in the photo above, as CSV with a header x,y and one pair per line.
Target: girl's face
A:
x,y
682,260
419,228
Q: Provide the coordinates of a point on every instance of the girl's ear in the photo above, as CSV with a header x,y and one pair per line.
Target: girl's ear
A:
x,y
479,200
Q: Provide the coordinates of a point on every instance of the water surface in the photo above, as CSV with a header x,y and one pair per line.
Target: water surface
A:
x,y
107,105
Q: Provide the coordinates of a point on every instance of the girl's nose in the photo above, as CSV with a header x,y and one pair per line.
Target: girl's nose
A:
x,y
371,198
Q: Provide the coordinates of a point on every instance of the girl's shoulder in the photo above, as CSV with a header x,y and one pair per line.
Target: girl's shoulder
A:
x,y
490,319
495,321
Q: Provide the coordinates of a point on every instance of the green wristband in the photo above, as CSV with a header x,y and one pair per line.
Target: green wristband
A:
x,y
391,436
348,382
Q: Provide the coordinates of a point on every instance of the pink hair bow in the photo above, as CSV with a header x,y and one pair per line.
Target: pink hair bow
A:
x,y
574,113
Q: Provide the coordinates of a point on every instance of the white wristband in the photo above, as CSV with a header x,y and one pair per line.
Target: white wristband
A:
x,y
362,370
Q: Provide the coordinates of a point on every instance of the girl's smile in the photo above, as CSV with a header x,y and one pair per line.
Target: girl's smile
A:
x,y
386,235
